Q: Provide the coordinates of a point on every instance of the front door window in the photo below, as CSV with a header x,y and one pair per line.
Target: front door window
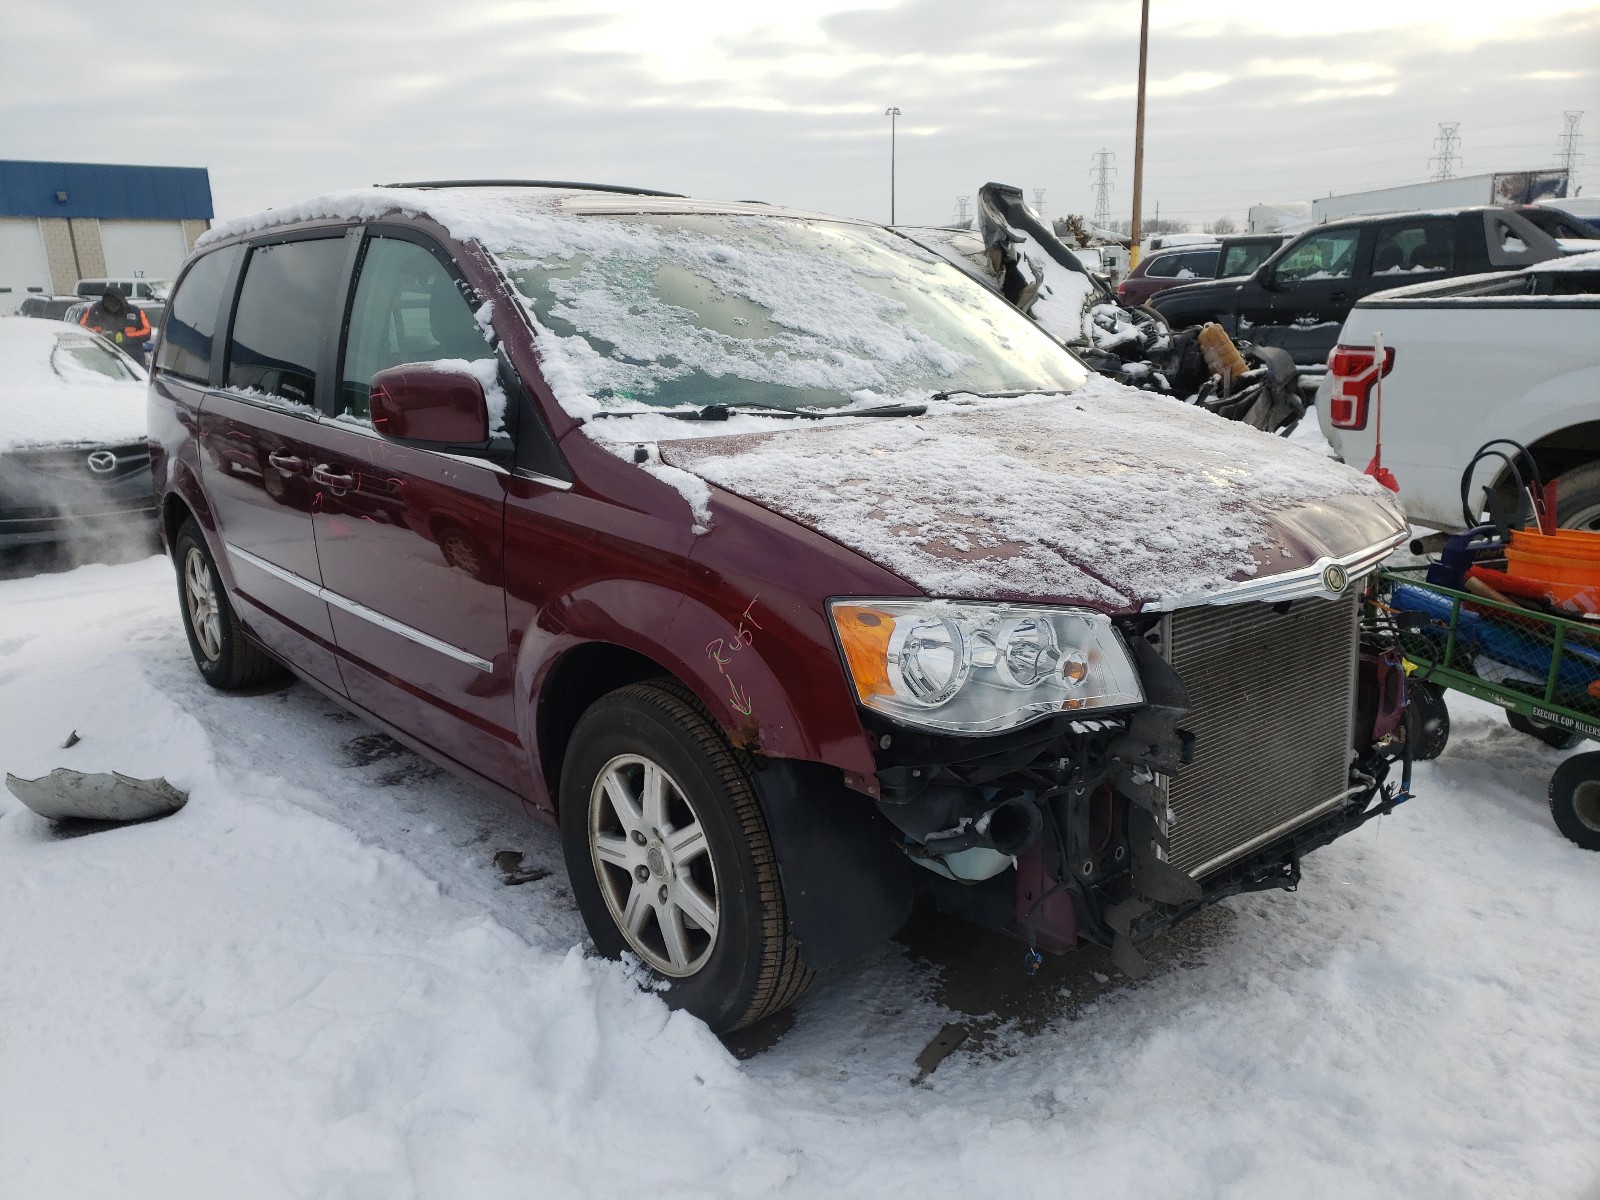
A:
x,y
407,309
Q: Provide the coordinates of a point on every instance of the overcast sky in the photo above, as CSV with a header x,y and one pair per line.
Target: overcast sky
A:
x,y
1250,101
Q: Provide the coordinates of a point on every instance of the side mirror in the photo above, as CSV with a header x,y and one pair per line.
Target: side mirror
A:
x,y
427,402
1267,278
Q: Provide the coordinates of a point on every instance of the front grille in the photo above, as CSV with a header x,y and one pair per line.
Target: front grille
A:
x,y
1271,707
74,463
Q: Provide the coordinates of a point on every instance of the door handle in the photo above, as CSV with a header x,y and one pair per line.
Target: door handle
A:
x,y
287,463
324,474
1340,297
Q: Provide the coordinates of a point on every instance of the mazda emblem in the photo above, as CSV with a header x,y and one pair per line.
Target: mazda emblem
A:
x,y
102,462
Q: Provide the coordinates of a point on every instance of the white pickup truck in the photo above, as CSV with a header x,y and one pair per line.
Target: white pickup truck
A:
x,y
1511,354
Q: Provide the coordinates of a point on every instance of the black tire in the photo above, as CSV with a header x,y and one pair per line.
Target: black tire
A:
x,y
1551,735
1575,799
751,967
1427,720
227,658
1578,498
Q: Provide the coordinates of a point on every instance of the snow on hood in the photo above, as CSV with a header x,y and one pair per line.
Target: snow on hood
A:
x,y
48,398
1106,497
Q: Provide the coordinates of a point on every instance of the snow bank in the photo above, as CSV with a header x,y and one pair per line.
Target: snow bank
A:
x,y
310,983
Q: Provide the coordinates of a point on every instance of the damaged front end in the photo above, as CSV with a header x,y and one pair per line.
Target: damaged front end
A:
x,y
1121,824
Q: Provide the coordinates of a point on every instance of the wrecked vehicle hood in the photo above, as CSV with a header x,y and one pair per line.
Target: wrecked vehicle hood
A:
x,y
1105,497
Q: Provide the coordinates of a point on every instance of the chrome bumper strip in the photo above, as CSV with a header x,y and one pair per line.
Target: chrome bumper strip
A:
x,y
361,610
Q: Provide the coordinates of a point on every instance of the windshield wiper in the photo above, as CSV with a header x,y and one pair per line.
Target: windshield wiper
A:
x,y
722,412
954,392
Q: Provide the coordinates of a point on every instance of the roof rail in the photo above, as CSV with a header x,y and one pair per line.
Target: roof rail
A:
x,y
431,184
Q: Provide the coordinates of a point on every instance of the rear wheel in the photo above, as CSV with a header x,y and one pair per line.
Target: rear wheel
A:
x,y
1575,799
1427,720
1550,735
670,857
1578,498
226,657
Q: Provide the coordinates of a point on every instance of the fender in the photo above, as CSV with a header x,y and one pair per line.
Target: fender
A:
x,y
718,657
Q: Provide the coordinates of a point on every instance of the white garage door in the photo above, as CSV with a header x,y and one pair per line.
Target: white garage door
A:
x,y
142,249
22,261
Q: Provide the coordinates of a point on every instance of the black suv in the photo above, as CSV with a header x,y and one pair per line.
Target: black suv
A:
x,y
1300,296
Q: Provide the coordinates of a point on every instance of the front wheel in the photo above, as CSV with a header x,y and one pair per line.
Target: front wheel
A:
x,y
670,857
1427,720
1575,799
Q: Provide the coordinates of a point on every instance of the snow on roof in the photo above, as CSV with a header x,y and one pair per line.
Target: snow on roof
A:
x,y
485,214
48,397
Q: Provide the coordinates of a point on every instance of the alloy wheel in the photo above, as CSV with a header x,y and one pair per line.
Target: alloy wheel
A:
x,y
200,595
654,865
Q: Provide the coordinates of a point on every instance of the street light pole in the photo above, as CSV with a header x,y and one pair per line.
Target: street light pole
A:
x,y
1138,138
891,113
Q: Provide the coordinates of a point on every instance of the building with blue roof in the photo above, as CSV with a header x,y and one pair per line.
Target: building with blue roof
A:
x,y
62,222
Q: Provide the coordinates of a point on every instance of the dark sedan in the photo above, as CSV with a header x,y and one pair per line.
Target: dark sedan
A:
x,y
74,463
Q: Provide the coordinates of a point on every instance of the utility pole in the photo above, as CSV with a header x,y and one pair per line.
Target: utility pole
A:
x,y
1446,155
1567,147
893,114
1138,135
1101,172
962,204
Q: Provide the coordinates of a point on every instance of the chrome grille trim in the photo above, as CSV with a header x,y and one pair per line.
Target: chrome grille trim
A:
x,y
1272,709
1291,585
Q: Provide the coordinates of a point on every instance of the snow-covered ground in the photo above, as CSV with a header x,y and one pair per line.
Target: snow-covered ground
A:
x,y
314,982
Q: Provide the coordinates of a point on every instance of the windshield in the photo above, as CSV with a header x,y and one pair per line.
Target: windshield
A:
x,y
692,310
80,358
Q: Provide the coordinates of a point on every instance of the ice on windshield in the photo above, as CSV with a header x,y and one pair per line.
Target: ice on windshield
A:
x,y
82,359
691,310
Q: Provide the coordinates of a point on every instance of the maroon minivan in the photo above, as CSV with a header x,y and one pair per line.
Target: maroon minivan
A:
x,y
798,576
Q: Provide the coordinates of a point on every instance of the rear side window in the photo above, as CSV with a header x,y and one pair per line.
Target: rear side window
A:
x,y
186,342
1163,267
1202,264
1414,248
282,316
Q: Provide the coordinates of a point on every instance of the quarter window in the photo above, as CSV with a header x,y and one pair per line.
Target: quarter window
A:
x,y
186,340
407,309
1328,255
283,311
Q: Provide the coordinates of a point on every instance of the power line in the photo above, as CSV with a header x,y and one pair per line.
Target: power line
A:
x,y
1101,172
1567,147
1446,155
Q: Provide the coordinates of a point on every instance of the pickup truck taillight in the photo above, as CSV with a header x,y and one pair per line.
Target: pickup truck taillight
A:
x,y
1353,376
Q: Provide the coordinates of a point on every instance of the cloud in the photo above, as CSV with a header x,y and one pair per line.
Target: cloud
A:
x,y
285,100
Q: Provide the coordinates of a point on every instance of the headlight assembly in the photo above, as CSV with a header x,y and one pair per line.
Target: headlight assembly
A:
x,y
981,668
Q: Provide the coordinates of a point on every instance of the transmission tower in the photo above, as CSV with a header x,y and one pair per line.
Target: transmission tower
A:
x,y
1101,172
1567,154
962,204
1445,145
1038,202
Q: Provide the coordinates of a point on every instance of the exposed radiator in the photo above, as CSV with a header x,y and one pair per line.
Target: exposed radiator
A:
x,y
1272,705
